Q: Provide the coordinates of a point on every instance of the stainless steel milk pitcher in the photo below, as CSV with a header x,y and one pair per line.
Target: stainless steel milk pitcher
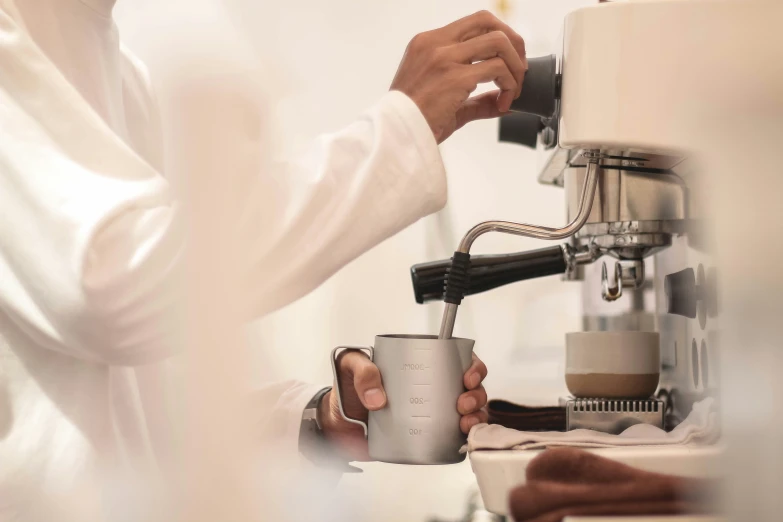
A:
x,y
423,378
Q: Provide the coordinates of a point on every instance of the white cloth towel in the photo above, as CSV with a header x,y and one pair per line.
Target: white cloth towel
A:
x,y
700,427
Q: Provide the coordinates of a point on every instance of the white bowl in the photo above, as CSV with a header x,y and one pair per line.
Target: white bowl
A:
x,y
613,365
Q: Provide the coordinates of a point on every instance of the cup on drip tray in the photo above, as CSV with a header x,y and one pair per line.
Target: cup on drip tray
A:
x,y
613,365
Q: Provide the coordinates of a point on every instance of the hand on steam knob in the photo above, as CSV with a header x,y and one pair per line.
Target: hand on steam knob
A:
x,y
441,68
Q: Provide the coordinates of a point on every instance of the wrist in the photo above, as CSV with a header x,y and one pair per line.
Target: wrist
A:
x,y
314,445
325,416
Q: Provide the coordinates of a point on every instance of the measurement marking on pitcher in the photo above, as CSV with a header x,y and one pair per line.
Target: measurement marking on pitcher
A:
x,y
416,431
416,367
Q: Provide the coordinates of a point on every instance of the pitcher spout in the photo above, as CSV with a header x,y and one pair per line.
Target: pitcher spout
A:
x,y
465,350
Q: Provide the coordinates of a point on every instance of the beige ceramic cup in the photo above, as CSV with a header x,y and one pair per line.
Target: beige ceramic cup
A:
x,y
613,365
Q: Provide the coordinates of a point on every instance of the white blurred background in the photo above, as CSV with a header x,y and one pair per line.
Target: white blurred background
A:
x,y
332,60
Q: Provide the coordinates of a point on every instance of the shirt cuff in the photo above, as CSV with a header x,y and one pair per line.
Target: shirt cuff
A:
x,y
298,406
417,129
296,409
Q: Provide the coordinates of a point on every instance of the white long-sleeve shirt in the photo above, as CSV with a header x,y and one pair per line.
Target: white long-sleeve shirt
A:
x,y
91,231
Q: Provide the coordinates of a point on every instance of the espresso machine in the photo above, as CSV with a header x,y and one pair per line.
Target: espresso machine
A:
x,y
615,111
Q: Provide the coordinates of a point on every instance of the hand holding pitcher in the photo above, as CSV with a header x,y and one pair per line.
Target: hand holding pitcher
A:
x,y
443,379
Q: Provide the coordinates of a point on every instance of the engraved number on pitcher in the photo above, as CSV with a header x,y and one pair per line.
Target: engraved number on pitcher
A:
x,y
413,367
417,400
415,431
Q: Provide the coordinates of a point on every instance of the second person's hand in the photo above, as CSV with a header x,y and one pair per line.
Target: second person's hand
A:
x,y
441,68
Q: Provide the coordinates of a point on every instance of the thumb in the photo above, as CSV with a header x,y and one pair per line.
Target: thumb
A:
x,y
480,107
366,380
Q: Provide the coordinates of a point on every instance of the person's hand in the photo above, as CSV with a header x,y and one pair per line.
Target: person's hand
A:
x,y
363,391
441,68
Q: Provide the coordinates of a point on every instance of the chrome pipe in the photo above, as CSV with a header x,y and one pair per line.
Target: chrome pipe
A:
x,y
520,229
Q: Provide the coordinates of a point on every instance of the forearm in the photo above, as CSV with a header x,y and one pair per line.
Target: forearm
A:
x,y
354,189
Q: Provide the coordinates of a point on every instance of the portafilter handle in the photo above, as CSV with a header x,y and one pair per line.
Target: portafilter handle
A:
x,y
490,271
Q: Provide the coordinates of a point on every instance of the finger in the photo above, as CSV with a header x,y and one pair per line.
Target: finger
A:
x,y
480,107
366,379
481,23
472,401
495,70
468,421
488,46
505,99
475,374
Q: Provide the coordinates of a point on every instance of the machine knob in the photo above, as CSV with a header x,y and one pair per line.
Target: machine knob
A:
x,y
682,293
540,89
520,128
548,137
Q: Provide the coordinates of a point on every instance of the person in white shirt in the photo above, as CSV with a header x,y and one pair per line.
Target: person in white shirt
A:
x,y
91,231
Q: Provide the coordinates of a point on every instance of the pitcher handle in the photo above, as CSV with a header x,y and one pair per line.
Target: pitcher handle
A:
x,y
335,352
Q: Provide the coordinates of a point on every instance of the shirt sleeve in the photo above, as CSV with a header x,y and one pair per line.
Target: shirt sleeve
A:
x,y
92,238
277,431
283,404
355,188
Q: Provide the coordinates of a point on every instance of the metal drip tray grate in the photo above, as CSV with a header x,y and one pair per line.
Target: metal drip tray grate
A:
x,y
612,416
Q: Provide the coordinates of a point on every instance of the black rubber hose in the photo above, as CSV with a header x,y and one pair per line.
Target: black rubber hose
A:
x,y
457,278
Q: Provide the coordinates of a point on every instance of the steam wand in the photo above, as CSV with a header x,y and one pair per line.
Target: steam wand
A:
x,y
457,279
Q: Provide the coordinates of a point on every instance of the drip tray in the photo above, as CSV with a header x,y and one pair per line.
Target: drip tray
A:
x,y
611,415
